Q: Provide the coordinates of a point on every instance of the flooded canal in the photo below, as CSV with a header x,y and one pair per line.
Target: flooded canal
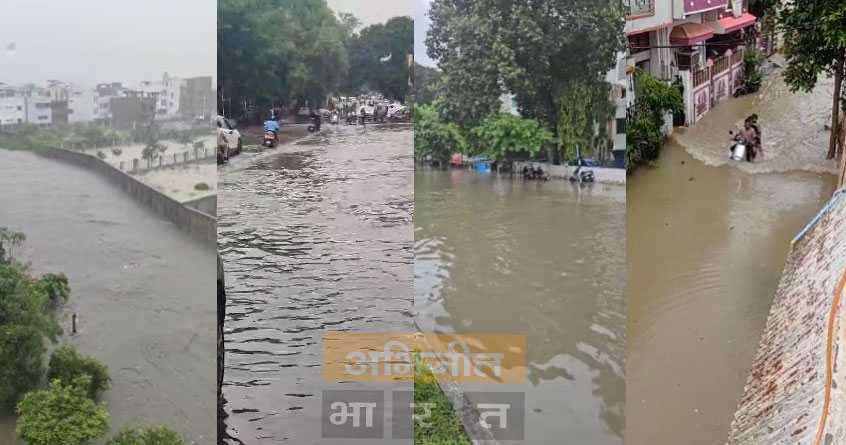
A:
x,y
706,246
141,288
314,236
542,259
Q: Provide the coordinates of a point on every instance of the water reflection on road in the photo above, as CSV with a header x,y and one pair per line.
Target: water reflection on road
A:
x,y
315,236
545,260
142,289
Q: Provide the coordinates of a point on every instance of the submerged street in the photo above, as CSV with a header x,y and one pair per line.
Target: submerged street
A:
x,y
314,236
707,241
546,260
142,290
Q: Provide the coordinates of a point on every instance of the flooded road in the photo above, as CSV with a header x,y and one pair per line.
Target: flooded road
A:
x,y
542,259
706,247
142,290
792,126
314,236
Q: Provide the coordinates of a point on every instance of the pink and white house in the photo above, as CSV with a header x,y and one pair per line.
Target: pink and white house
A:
x,y
709,39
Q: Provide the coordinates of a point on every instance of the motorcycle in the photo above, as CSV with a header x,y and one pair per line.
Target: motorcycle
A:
x,y
334,119
747,87
737,152
269,139
582,175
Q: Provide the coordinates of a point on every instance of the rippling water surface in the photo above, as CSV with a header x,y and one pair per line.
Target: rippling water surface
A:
x,y
315,236
542,259
705,250
142,289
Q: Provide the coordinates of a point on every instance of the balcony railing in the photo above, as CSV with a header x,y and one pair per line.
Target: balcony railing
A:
x,y
701,76
639,7
721,65
737,57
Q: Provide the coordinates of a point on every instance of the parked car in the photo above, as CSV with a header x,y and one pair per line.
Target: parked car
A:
x,y
232,136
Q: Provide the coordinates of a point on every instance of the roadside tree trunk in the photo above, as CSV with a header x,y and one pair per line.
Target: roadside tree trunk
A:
x,y
835,108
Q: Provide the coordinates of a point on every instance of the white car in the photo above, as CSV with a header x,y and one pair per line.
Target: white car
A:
x,y
232,136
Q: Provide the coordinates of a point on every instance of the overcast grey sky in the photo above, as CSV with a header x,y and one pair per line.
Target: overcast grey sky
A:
x,y
373,11
421,26
92,41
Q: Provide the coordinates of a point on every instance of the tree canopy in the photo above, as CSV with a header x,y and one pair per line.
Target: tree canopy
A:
x,y
815,44
426,80
541,51
294,52
62,415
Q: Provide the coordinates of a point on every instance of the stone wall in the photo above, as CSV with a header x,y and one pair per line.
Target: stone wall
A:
x,y
196,222
207,205
795,390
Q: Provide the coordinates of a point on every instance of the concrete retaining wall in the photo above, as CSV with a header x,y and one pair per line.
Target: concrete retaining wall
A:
x,y
790,396
198,223
207,205
616,176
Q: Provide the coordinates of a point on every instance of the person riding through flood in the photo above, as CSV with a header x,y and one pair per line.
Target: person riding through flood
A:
x,y
749,136
272,126
758,146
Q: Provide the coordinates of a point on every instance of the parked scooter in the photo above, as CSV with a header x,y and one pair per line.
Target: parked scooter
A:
x,y
747,87
582,176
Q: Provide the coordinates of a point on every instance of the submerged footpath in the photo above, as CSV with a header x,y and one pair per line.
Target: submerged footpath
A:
x,y
795,390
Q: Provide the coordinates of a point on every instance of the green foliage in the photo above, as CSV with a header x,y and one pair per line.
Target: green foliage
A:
x,y
298,51
752,61
502,135
378,58
584,110
57,286
425,81
61,415
148,436
536,50
67,365
101,155
8,239
644,135
433,138
25,321
117,151
814,44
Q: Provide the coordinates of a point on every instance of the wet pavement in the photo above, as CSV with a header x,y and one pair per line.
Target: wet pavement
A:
x,y
542,259
142,290
706,248
314,236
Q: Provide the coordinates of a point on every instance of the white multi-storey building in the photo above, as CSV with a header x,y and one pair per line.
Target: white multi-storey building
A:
x,y
83,104
24,106
648,26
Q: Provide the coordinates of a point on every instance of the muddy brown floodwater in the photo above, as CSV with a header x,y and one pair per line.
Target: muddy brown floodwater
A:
x,y
143,291
315,236
706,246
542,259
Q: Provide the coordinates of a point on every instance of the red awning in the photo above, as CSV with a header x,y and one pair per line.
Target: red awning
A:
x,y
690,34
729,24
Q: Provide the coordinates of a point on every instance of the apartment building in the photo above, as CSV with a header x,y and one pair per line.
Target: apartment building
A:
x,y
198,97
24,105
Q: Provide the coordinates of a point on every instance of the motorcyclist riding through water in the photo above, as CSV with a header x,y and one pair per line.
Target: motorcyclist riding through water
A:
x,y
272,126
750,137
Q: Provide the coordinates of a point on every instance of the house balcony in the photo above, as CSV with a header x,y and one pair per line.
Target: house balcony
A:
x,y
635,8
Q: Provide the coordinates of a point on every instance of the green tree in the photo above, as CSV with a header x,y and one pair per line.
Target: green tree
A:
x,y
61,415
56,286
503,135
8,239
66,365
148,436
25,322
644,134
536,50
584,110
425,81
433,138
815,44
